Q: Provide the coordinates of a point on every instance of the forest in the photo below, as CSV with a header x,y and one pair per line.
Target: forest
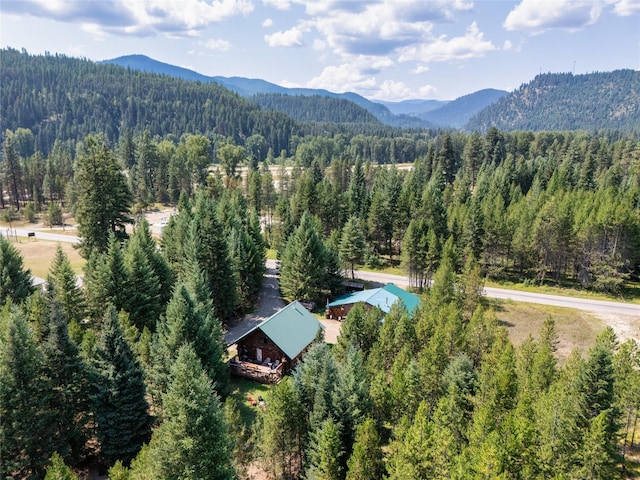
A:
x,y
127,373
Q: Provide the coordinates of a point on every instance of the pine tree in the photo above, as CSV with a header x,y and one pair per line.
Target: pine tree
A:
x,y
366,462
106,280
68,375
15,281
192,442
143,300
104,198
352,244
303,270
326,452
123,423
62,286
58,470
208,246
26,421
186,322
283,431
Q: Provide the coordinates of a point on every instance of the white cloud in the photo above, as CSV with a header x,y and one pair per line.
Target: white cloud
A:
x,y
537,16
507,45
278,4
427,91
288,38
139,17
421,69
216,44
471,45
391,90
343,78
267,23
626,8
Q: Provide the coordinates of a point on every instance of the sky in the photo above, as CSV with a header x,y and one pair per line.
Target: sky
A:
x,y
389,50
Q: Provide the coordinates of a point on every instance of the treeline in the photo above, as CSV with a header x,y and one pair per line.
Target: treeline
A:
x,y
315,108
562,101
135,355
65,99
547,207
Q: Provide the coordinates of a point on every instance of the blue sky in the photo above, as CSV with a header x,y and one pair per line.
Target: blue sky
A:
x,y
387,49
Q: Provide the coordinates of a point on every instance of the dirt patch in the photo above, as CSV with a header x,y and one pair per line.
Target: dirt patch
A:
x,y
332,330
626,327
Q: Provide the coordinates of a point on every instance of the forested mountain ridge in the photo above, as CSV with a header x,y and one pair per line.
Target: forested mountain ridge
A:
x,y
563,101
63,98
315,108
250,87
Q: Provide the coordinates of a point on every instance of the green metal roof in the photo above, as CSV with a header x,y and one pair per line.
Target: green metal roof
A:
x,y
292,329
382,297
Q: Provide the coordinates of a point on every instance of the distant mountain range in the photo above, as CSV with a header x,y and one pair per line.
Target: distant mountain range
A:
x,y
407,114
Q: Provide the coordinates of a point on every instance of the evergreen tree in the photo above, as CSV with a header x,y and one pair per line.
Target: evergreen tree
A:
x,y
58,470
366,462
123,423
283,431
104,199
68,376
208,246
192,442
15,281
63,289
326,452
26,422
143,241
106,280
185,322
352,244
143,299
359,330
303,271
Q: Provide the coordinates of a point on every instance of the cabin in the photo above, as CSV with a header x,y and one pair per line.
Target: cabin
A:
x,y
382,298
273,347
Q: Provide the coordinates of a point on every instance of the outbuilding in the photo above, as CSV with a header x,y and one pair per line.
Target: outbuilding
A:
x,y
382,298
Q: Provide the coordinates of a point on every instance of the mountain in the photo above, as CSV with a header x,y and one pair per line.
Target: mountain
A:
x,y
248,87
457,113
413,107
63,98
563,101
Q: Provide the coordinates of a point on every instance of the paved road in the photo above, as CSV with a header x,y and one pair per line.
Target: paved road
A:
x,y
55,237
270,302
595,306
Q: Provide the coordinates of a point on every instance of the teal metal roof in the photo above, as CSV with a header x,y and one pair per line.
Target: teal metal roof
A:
x,y
382,297
292,329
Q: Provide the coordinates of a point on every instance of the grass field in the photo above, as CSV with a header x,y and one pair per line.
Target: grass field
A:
x,y
576,329
37,255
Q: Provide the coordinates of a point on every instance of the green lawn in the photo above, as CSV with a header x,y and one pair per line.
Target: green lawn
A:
x,y
242,389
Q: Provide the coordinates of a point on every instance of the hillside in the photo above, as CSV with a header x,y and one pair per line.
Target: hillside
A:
x,y
315,108
249,87
63,98
457,113
563,101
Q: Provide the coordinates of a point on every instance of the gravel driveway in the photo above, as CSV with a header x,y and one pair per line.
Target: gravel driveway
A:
x,y
269,302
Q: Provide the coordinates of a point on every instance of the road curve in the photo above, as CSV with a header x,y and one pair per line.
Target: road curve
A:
x,y
594,306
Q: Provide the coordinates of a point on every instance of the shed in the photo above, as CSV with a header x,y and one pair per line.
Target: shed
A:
x,y
382,297
274,346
